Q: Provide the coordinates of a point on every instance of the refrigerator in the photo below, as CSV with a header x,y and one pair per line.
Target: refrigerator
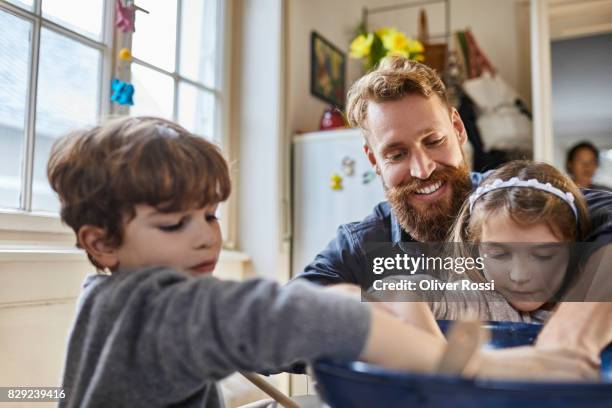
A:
x,y
333,183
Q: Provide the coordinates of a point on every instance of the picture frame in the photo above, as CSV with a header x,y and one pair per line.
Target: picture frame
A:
x,y
327,71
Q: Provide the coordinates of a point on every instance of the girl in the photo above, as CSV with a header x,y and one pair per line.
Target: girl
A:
x,y
520,221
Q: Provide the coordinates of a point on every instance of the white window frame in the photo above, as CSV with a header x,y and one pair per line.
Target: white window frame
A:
x,y
23,218
28,221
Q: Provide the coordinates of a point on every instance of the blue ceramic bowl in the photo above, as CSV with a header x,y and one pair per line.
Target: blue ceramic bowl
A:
x,y
356,384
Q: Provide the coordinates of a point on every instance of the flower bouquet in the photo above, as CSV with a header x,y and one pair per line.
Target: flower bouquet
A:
x,y
372,47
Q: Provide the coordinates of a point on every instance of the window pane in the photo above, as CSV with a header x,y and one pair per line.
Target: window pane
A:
x,y
199,30
196,110
26,4
68,95
84,17
155,38
153,93
14,61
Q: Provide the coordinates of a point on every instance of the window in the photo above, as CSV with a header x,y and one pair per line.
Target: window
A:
x,y
176,65
56,68
52,70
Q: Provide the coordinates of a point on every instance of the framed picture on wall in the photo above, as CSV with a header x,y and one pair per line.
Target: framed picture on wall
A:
x,y
327,71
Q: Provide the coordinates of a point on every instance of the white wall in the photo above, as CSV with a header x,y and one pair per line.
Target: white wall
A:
x,y
259,117
335,20
501,27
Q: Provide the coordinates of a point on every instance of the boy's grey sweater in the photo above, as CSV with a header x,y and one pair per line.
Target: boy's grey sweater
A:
x,y
156,337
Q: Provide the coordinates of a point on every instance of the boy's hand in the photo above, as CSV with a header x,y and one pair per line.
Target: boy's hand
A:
x,y
534,364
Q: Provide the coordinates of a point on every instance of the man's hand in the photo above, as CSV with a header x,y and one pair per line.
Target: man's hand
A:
x,y
530,363
582,327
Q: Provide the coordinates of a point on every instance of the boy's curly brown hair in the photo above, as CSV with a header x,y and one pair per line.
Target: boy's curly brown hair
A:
x,y
101,174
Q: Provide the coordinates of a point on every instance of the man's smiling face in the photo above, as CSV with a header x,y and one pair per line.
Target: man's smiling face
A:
x,y
415,143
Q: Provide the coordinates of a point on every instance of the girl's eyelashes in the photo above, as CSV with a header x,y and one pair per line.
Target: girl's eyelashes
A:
x,y
498,255
211,217
543,257
506,255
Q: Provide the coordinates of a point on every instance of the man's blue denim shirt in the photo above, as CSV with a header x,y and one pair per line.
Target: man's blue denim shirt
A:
x,y
344,259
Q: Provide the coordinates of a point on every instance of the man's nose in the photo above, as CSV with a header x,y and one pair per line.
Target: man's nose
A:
x,y
421,165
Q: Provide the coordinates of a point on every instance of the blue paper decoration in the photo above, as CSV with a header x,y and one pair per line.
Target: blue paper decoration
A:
x,y
123,92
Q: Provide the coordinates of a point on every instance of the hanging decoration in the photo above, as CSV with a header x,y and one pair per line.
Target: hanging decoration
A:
x,y
125,16
122,89
125,54
123,92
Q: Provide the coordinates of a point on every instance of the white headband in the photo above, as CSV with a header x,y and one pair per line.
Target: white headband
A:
x,y
532,183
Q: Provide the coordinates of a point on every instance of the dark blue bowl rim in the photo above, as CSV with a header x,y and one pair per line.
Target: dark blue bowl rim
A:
x,y
361,370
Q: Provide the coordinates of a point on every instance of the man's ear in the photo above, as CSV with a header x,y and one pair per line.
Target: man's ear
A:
x,y
93,240
370,154
458,126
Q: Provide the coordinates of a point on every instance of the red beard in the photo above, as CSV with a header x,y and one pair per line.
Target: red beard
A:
x,y
433,222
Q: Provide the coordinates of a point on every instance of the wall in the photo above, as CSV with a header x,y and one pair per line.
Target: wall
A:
x,y
335,20
500,26
259,120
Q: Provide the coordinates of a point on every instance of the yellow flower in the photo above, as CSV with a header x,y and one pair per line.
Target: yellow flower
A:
x,y
385,31
373,46
395,41
415,47
360,47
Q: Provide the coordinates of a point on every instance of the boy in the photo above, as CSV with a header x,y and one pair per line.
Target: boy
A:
x,y
159,330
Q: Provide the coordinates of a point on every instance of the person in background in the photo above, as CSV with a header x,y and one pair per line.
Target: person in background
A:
x,y
582,163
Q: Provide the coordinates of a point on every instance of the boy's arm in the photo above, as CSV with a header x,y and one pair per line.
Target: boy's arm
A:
x,y
211,328
179,332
